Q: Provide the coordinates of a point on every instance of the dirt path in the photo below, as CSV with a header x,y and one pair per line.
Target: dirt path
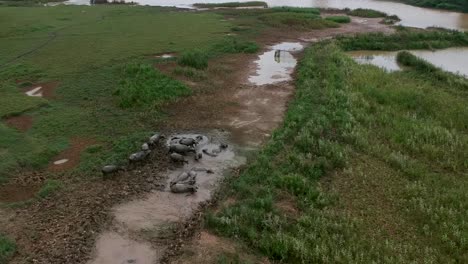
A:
x,y
134,218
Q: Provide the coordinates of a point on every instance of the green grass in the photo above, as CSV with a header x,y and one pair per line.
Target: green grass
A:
x,y
191,73
405,39
232,4
392,145
454,5
50,186
296,20
7,248
362,12
142,85
87,54
197,59
339,19
307,10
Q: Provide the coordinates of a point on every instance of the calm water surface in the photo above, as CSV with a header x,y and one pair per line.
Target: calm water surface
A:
x,y
410,15
454,59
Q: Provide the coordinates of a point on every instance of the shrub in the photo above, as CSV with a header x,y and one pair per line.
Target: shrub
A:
x,y
7,248
49,187
142,85
196,59
307,10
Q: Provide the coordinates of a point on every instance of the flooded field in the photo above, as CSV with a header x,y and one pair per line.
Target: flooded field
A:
x,y
453,60
410,15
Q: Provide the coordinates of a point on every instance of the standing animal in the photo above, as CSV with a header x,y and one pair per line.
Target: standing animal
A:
x,y
154,139
145,147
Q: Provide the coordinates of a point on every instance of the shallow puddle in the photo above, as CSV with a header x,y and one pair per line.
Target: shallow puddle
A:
x,y
277,64
36,92
113,248
453,59
160,209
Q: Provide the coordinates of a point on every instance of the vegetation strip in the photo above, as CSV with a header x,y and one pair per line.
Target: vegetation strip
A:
x,y
355,122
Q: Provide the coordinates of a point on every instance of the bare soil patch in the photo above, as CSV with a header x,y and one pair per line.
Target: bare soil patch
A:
x,y
22,122
11,193
63,228
47,89
70,157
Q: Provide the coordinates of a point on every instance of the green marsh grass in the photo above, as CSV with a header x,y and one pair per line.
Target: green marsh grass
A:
x,y
393,144
7,248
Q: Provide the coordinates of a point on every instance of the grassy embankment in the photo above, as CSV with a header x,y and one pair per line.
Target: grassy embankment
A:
x,y
98,96
369,166
231,4
454,5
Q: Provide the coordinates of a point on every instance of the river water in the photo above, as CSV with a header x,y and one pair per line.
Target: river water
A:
x,y
410,15
453,59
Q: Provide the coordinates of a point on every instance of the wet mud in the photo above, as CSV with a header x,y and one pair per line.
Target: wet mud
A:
x,y
162,208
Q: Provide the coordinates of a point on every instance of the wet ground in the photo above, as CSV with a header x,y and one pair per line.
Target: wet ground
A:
x,y
454,60
410,15
119,220
162,209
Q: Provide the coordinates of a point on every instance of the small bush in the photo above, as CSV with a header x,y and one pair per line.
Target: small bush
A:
x,y
196,59
49,187
7,248
142,85
339,19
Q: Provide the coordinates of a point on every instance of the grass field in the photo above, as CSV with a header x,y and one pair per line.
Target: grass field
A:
x,y
87,50
369,167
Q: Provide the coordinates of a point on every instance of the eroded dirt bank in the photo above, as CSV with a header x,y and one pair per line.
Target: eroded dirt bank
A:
x,y
134,218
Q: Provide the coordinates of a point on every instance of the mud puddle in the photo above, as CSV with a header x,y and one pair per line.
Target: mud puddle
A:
x,y
277,64
161,209
454,60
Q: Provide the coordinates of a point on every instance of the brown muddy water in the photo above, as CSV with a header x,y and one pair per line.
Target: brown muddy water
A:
x,y
277,64
161,210
454,60
410,15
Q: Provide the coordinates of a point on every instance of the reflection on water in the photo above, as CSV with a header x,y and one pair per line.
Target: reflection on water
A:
x,y
410,15
276,65
454,59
